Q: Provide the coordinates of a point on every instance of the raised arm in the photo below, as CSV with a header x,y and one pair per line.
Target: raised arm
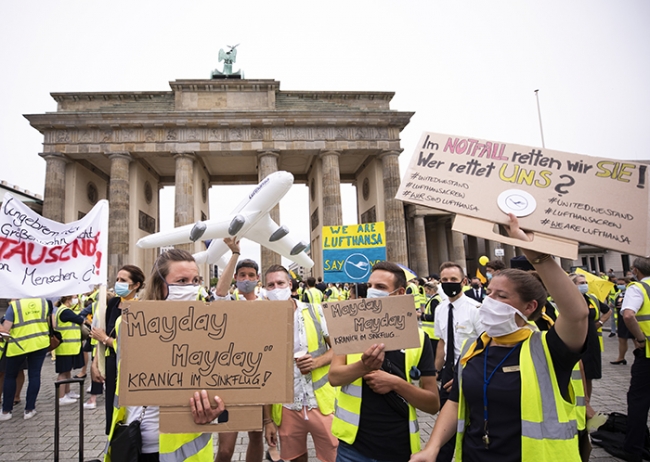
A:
x,y
571,325
229,271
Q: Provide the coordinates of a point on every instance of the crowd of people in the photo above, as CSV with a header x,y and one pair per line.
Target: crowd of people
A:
x,y
535,334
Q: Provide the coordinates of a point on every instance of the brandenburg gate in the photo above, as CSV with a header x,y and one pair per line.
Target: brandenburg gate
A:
x,y
125,146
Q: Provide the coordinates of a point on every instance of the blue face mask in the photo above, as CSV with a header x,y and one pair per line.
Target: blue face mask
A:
x,y
489,276
620,286
246,286
122,289
583,288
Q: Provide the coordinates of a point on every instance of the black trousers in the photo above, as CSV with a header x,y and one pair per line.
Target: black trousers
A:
x,y
111,384
446,453
638,403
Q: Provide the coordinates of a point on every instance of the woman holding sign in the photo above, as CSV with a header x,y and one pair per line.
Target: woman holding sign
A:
x,y
175,276
512,359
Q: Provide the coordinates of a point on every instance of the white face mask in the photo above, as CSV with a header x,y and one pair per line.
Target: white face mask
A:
x,y
75,301
183,293
279,294
499,318
376,293
583,288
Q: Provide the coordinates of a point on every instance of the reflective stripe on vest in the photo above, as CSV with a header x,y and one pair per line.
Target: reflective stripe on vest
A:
x,y
548,423
348,403
579,393
30,330
429,326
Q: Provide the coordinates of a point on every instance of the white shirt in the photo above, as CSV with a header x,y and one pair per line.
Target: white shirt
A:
x,y
148,427
303,387
633,299
466,322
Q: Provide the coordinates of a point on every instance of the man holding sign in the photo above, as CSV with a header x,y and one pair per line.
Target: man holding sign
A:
x,y
313,404
375,415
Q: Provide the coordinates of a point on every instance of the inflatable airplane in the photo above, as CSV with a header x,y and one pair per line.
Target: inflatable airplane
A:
x,y
250,219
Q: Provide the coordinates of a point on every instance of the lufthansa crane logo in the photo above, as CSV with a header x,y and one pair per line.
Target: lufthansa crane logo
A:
x,y
357,266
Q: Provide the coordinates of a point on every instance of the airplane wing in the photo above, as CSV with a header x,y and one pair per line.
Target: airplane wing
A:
x,y
210,229
269,234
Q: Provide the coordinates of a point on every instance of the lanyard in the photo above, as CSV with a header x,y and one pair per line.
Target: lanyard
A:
x,y
486,382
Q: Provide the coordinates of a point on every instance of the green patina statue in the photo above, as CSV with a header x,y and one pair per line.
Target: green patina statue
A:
x,y
228,57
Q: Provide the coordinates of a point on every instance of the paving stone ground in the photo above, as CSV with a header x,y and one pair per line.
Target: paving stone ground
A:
x,y
33,440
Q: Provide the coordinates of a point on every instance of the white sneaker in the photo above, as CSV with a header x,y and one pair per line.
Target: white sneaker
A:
x,y
89,388
30,414
4,416
66,400
73,395
90,405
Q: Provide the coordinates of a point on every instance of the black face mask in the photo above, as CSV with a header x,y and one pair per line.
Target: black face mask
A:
x,y
451,289
475,286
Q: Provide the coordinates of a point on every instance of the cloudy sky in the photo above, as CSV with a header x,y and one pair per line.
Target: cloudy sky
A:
x,y
465,67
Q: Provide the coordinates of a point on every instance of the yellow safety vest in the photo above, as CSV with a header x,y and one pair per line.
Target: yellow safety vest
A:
x,y
595,305
579,393
428,326
313,295
316,346
348,403
549,431
412,289
70,335
334,294
177,447
643,315
30,330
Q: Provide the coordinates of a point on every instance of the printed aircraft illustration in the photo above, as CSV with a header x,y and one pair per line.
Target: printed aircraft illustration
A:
x,y
250,219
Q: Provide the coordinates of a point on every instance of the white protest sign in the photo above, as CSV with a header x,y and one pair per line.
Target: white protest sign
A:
x,y
597,201
43,258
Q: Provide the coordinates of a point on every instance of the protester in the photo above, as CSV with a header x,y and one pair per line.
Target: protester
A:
x,y
313,404
492,268
247,277
312,295
635,310
512,359
68,354
599,313
375,416
622,330
456,321
27,321
129,280
175,276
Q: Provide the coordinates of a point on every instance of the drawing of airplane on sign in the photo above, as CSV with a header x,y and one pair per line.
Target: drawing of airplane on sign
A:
x,y
250,219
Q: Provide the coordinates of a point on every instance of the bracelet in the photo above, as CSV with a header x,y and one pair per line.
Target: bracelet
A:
x,y
541,258
236,253
267,421
640,341
104,342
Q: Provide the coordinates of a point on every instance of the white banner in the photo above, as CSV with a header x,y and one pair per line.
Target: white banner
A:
x,y
42,258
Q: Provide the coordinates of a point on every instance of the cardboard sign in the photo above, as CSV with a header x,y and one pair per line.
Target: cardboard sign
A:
x,y
598,201
349,252
355,325
240,419
44,258
241,351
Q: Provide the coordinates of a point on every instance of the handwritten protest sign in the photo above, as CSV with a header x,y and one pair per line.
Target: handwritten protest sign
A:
x,y
349,252
355,325
240,419
42,258
241,351
587,199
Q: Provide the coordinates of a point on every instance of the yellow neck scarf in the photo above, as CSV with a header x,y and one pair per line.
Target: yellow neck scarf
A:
x,y
510,339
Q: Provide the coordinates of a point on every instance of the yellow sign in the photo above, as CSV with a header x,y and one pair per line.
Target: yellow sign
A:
x,y
363,236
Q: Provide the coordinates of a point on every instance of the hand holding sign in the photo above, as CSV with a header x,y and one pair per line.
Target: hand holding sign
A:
x,y
202,411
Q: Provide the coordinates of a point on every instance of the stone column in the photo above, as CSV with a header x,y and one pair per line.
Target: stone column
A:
x,y
393,209
441,239
184,193
458,249
267,163
509,254
420,247
332,212
54,197
118,213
